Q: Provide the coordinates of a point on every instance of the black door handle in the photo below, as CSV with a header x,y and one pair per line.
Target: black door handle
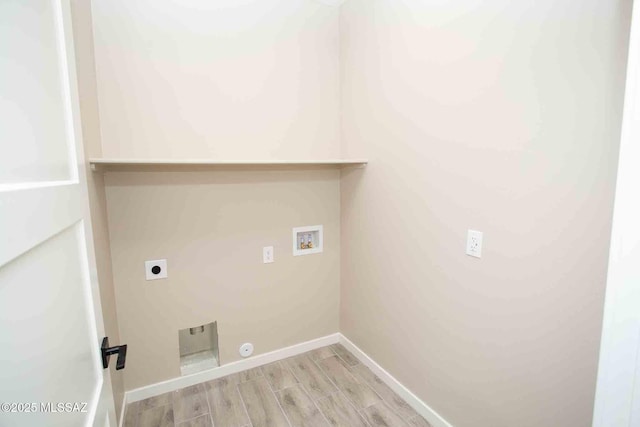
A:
x,y
107,351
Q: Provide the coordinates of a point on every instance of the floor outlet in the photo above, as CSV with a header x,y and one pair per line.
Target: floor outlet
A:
x,y
246,349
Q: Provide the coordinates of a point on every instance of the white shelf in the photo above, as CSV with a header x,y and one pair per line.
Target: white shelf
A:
x,y
101,164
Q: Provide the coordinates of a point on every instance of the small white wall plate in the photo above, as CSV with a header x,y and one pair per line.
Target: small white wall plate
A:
x,y
303,233
267,255
156,269
474,243
246,349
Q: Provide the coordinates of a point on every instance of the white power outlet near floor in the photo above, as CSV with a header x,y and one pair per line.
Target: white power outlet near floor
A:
x,y
267,255
474,243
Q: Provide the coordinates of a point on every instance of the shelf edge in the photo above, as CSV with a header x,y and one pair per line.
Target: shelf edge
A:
x,y
109,163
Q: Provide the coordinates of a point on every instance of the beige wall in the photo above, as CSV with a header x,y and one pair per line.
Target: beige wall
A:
x,y
501,116
252,79
81,14
211,227
255,79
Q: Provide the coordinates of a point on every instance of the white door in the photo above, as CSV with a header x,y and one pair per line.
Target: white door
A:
x,y
50,317
617,399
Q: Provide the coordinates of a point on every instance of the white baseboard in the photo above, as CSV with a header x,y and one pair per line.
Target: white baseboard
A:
x,y
422,408
228,369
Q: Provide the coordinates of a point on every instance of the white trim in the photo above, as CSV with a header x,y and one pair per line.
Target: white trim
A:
x,y
34,185
69,83
231,368
617,401
122,409
414,401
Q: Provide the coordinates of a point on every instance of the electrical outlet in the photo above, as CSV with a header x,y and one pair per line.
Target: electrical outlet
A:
x,y
156,269
267,255
474,243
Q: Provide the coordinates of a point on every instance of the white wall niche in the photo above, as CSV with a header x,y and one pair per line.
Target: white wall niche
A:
x,y
307,240
198,348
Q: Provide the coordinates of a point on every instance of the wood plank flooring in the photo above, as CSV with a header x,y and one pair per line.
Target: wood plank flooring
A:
x,y
327,387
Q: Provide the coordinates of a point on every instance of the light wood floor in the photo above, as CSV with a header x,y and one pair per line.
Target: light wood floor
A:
x,y
322,388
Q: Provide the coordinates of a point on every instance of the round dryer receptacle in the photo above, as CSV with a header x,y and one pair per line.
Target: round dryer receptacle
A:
x,y
246,349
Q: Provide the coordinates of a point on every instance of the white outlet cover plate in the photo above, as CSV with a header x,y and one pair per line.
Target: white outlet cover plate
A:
x,y
148,269
267,255
246,349
474,243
